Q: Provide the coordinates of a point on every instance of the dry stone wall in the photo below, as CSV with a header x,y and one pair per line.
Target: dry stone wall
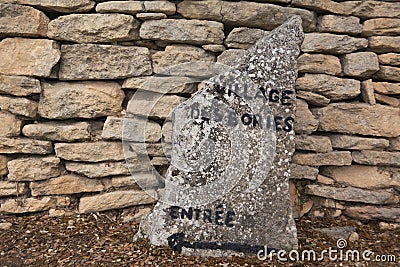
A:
x,y
69,67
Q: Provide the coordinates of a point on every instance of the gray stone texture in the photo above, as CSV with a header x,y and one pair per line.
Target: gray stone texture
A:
x,y
265,181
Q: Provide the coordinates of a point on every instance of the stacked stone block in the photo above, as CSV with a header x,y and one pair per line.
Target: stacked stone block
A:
x,y
68,69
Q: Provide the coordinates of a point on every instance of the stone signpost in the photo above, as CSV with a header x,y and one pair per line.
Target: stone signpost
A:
x,y
227,192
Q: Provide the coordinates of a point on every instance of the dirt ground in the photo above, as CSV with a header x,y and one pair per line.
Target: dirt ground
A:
x,y
105,239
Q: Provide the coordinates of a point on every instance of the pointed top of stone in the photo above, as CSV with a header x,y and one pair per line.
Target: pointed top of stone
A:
x,y
288,35
290,31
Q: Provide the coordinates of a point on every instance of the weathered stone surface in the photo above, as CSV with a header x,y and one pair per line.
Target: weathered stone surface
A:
x,y
19,106
388,100
11,189
332,43
16,20
130,182
381,26
90,152
124,182
370,177
387,88
3,165
134,7
58,131
305,121
128,7
335,158
166,7
360,65
313,99
178,54
374,213
384,44
150,16
114,200
33,168
321,5
388,59
318,63
10,126
164,105
373,9
388,73
303,172
96,170
359,118
31,204
315,143
183,31
209,9
63,6
357,143
329,86
272,63
256,15
91,61
394,143
19,85
62,100
339,24
24,146
159,84
325,180
354,194
30,57
214,48
264,16
371,157
94,28
230,57
367,92
113,130
243,37
67,184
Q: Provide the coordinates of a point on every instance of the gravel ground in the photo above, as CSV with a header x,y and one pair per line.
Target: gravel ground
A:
x,y
105,239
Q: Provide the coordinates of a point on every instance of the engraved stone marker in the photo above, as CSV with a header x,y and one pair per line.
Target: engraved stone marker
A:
x,y
227,192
